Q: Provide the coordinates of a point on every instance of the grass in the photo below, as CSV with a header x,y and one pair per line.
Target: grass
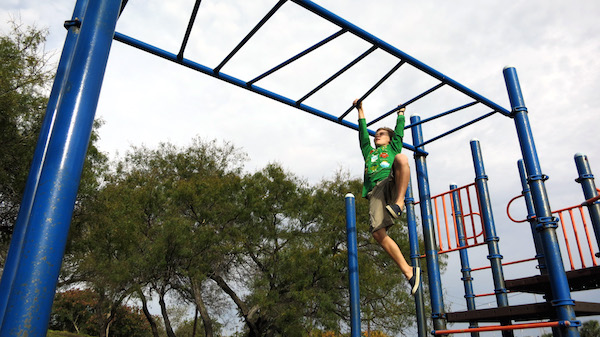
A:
x,y
52,333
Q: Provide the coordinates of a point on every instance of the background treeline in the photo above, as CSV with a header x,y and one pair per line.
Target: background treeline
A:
x,y
190,225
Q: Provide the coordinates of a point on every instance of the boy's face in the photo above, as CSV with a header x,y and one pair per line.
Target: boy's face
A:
x,y
382,137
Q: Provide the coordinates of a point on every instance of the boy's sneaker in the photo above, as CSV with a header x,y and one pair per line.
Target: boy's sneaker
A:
x,y
415,280
394,210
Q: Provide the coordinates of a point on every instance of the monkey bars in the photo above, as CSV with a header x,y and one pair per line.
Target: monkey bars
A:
x,y
345,28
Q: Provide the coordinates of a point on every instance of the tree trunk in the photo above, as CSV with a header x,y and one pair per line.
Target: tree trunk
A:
x,y
108,326
242,307
208,326
110,318
147,313
75,326
195,322
101,321
163,311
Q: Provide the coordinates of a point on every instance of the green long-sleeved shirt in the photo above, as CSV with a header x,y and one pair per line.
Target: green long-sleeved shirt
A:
x,y
378,161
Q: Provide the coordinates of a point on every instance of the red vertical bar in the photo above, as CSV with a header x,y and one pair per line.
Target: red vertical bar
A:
x,y
566,239
576,233
437,222
587,235
446,223
471,212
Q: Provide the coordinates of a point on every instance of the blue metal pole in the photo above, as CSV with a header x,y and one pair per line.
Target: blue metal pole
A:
x,y
546,222
491,238
539,250
431,250
20,228
30,300
586,179
537,240
415,255
464,256
353,266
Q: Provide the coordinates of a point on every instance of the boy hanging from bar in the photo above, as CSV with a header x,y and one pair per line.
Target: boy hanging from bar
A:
x,y
386,179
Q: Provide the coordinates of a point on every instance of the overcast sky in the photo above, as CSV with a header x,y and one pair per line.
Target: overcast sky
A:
x,y
554,46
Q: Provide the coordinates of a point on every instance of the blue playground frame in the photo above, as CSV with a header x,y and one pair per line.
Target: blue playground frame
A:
x,y
33,264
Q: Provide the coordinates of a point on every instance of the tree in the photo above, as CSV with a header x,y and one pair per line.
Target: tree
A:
x,y
24,83
590,328
144,230
295,264
75,311
185,223
25,80
72,311
195,328
385,302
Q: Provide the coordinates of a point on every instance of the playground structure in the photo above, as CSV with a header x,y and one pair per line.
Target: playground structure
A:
x,y
33,264
462,220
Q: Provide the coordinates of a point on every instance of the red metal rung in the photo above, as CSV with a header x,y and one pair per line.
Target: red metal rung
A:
x,y
504,327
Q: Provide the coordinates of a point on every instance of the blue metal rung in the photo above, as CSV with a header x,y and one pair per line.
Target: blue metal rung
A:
x,y
341,71
383,79
292,59
412,100
468,105
457,128
249,36
189,29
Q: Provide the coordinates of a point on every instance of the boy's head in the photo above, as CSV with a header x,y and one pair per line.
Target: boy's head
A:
x,y
383,136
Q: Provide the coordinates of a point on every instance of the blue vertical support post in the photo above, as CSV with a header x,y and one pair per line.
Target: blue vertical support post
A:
x,y
415,255
586,179
20,228
539,250
431,250
491,237
30,300
537,241
561,294
353,266
464,256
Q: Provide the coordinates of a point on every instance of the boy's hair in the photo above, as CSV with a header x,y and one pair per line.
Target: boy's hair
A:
x,y
391,132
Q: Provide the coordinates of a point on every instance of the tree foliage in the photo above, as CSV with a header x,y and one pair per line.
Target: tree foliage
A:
x,y
76,311
590,328
190,224
25,80
24,83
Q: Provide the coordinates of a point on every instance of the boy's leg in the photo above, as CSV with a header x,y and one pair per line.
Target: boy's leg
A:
x,y
392,249
401,178
380,221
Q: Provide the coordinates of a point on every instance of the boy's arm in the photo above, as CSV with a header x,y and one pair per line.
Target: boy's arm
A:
x,y
396,142
358,105
363,133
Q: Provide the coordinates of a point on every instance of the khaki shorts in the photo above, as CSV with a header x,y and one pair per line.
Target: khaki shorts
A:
x,y
379,197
